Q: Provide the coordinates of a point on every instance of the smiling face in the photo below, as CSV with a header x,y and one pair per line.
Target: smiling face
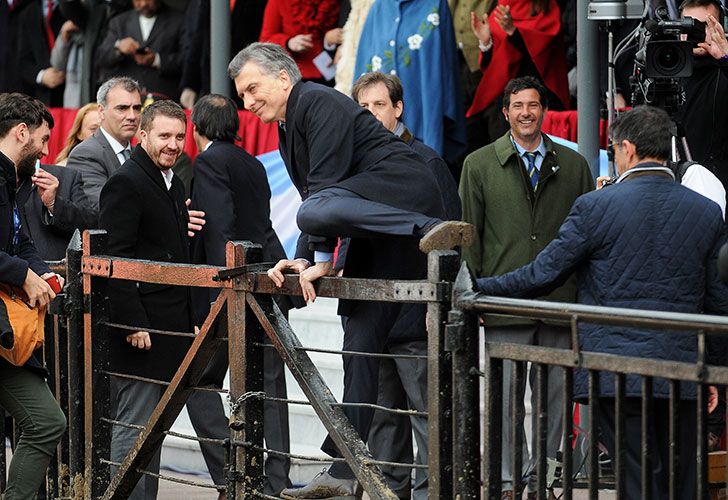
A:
x,y
376,99
120,117
34,149
263,94
164,140
525,115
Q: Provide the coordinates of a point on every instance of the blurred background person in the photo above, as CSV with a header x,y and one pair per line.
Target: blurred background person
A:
x,y
519,38
87,121
303,28
145,44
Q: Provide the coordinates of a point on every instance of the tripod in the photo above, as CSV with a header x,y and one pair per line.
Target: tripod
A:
x,y
679,148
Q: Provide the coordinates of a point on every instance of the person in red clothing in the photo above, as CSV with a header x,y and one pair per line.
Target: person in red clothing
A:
x,y
518,38
305,28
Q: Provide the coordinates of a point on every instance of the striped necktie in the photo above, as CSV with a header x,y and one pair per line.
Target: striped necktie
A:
x,y
531,168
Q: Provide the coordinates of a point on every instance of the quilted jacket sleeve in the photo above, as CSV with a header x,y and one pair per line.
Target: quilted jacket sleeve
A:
x,y
553,266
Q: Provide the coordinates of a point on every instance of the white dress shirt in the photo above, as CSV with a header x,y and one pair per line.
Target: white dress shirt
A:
x,y
116,146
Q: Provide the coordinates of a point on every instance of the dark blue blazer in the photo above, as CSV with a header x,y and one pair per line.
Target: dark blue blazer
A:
x,y
645,243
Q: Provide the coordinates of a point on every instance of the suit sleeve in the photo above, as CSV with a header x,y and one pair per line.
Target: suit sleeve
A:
x,y
14,268
107,57
473,207
716,302
213,195
93,175
72,208
120,216
552,267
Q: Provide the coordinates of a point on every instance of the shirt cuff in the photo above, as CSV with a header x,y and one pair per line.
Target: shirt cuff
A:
x,y
157,61
330,47
39,77
323,257
485,48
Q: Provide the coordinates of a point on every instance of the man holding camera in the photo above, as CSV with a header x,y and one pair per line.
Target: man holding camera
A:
x,y
705,111
657,249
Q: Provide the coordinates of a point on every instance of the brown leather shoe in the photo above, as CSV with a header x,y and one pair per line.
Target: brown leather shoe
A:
x,y
447,235
325,486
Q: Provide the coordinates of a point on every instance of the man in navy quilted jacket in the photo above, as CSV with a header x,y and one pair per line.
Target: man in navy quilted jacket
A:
x,y
644,243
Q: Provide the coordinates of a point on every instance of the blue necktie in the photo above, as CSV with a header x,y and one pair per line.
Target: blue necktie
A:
x,y
531,168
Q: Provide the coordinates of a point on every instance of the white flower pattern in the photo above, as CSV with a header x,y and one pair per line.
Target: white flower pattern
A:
x,y
434,19
415,41
376,63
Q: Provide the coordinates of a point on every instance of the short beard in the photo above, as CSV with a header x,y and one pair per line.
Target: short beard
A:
x,y
26,167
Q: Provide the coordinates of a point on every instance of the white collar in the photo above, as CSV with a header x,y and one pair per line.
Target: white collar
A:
x,y
115,145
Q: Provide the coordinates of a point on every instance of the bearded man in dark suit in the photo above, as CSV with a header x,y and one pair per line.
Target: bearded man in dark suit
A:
x,y
356,180
143,210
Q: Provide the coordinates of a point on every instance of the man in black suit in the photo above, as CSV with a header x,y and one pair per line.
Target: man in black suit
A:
x,y
52,206
145,44
231,187
143,210
356,180
99,156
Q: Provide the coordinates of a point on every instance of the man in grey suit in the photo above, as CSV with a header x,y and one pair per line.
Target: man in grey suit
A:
x,y
99,156
146,44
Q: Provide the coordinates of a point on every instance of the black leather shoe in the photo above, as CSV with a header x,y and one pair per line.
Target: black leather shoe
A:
x,y
325,486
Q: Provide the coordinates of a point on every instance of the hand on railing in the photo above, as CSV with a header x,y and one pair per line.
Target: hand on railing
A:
x,y
311,274
39,292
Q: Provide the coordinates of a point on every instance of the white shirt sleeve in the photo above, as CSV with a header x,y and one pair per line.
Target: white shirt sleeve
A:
x,y
703,181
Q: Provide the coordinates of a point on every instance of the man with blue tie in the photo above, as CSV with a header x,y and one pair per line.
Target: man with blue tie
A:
x,y
516,192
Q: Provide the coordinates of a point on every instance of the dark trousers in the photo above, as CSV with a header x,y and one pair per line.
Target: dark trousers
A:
x,y
339,212
659,443
402,385
208,419
365,330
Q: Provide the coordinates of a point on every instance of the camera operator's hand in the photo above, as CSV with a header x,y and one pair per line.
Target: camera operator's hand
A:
x,y
715,43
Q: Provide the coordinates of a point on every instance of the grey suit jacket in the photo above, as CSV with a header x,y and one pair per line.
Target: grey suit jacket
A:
x,y
96,161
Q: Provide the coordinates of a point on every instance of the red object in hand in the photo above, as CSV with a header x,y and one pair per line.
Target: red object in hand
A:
x,y
54,283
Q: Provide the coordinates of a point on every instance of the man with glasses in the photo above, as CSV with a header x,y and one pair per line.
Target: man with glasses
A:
x,y
25,125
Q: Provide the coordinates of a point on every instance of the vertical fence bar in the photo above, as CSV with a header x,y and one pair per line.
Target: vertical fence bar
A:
x,y
96,381
674,451
702,442
647,412
3,455
462,341
441,266
75,323
245,336
567,468
518,374
620,452
541,409
50,360
493,425
593,453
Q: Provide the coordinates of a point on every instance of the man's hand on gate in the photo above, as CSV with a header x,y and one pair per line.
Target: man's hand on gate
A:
x,y
310,275
38,291
140,340
275,273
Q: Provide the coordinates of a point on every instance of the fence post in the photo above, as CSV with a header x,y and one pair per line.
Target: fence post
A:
x,y
462,341
74,318
245,336
441,266
96,365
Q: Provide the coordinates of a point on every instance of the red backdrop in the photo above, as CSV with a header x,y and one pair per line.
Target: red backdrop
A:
x,y
258,138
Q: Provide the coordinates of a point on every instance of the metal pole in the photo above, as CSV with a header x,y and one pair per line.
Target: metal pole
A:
x,y
219,47
587,60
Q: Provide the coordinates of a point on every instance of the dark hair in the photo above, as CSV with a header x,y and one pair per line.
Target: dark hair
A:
x,y
523,83
165,107
216,117
17,108
704,3
392,82
648,128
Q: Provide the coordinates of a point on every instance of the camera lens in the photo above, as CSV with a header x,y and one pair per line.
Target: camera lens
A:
x,y
668,59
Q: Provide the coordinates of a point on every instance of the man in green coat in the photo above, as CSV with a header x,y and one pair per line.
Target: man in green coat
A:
x,y
516,192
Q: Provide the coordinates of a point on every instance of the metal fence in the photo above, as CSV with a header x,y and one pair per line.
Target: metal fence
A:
x,y
464,446
463,335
